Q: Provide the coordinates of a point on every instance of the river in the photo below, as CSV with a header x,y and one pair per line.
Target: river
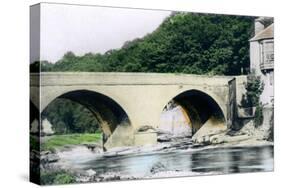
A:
x,y
180,159
191,161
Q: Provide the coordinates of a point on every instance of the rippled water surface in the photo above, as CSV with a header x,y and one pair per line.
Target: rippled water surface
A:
x,y
211,161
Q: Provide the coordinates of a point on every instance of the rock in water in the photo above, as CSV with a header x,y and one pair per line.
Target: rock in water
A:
x,y
91,172
88,176
146,128
94,148
164,138
158,167
49,158
110,176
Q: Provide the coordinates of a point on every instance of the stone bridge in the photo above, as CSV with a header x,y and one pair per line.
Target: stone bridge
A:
x,y
128,105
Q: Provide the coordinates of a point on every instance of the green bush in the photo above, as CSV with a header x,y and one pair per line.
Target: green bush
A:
x,y
271,130
251,99
254,88
34,143
258,115
59,177
64,179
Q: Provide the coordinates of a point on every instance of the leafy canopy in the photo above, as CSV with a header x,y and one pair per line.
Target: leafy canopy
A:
x,y
184,43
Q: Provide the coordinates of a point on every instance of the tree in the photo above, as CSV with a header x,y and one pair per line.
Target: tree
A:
x,y
67,117
189,43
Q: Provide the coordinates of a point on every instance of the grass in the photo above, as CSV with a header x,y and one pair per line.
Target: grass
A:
x,y
59,141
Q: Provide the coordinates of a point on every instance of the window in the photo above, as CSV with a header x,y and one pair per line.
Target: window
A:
x,y
267,56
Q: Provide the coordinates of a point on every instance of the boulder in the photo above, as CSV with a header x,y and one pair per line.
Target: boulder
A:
x,y
146,128
110,176
94,148
49,158
158,167
164,138
91,172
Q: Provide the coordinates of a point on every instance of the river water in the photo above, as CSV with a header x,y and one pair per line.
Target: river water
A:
x,y
182,158
191,161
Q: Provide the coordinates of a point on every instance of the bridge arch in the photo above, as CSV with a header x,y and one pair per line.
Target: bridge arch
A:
x,y
200,108
107,111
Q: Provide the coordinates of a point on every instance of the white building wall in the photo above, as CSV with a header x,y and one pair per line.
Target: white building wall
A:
x,y
255,52
268,92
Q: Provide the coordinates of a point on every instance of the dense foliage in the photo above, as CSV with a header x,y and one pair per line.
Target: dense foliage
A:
x,y
68,117
184,43
58,177
254,89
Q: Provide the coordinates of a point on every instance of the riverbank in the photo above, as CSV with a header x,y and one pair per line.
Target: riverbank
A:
x,y
248,135
62,154
55,142
94,165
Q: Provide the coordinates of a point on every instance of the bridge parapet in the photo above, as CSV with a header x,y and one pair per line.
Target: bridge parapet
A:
x,y
107,78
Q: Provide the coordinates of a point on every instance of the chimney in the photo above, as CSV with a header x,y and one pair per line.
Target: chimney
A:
x,y
259,25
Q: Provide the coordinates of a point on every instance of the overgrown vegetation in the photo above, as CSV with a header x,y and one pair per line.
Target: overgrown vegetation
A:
x,y
271,130
251,99
258,115
58,177
34,142
184,43
58,141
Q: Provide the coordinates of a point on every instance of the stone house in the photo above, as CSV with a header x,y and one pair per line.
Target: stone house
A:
x,y
262,57
262,64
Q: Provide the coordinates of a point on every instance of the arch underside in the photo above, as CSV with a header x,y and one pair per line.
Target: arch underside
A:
x,y
33,112
200,108
108,113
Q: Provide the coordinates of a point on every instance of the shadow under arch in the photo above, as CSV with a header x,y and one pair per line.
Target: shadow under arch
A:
x,y
108,112
199,107
33,112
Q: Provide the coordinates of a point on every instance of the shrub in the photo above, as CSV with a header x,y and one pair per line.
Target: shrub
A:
x,y
58,177
254,89
64,179
258,115
271,130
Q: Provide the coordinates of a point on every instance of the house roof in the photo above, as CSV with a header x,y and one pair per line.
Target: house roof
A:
x,y
267,33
